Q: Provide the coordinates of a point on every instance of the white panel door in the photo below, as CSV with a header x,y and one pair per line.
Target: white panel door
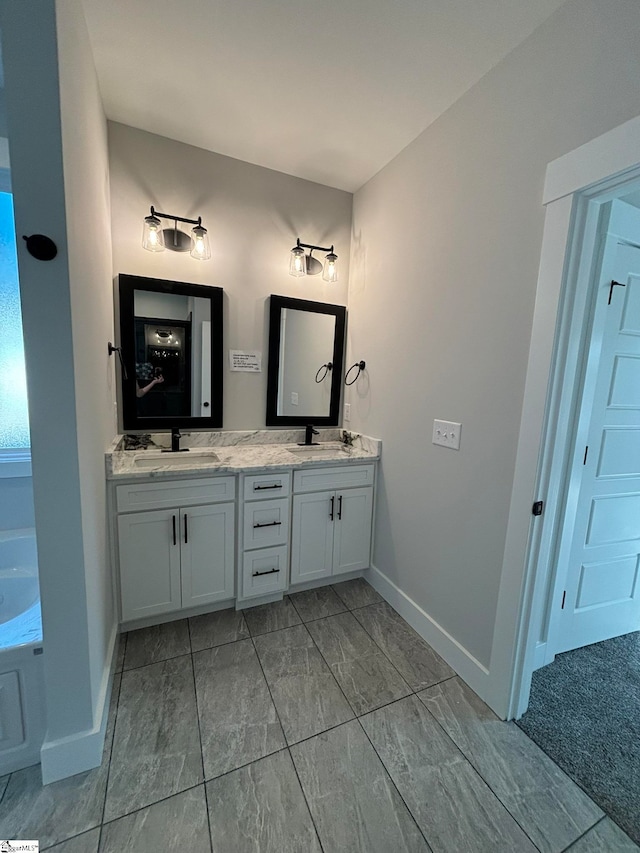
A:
x,y
149,548
207,535
312,536
602,597
352,536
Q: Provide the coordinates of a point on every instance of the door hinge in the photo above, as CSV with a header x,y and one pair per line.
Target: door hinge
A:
x,y
586,452
537,508
564,596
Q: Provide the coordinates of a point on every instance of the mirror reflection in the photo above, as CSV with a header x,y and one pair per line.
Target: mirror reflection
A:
x,y
171,339
306,347
306,353
172,353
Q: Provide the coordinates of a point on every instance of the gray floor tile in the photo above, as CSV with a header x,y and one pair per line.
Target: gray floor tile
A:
x,y
238,721
52,813
353,802
56,812
357,593
414,659
271,617
216,629
452,805
261,809
121,644
305,693
160,642
317,603
606,837
177,823
546,803
156,746
4,781
85,843
365,675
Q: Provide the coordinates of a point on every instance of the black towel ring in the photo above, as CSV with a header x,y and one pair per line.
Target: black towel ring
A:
x,y
360,365
327,367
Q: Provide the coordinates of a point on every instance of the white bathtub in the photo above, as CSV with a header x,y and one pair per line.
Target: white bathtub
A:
x,y
22,716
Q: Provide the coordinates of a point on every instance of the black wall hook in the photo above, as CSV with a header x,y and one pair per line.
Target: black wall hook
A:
x,y
360,365
41,247
113,349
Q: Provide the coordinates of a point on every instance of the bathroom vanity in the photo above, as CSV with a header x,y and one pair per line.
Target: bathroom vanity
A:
x,y
233,523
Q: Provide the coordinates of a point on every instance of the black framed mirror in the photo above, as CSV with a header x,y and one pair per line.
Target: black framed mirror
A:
x,y
306,355
172,349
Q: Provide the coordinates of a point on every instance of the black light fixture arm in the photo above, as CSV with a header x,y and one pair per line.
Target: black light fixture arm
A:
x,y
157,213
304,245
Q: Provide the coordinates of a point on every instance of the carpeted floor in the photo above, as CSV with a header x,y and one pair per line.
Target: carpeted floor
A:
x,y
584,712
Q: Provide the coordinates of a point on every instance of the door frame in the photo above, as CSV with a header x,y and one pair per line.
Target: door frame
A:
x,y
576,186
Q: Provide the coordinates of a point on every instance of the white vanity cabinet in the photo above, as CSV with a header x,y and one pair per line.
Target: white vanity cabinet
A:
x,y
331,523
175,545
264,534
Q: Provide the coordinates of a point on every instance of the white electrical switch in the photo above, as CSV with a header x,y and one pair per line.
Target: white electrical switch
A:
x,y
347,411
447,434
294,398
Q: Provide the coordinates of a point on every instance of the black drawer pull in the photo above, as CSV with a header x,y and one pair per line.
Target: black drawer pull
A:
x,y
269,572
263,488
267,524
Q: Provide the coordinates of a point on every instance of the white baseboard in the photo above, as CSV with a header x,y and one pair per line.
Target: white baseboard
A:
x,y
539,656
466,666
83,750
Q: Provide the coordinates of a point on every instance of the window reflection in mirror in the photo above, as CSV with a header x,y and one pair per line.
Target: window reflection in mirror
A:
x,y
306,349
171,338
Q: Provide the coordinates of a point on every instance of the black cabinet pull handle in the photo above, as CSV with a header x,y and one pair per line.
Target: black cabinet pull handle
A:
x,y
340,508
186,538
269,572
267,524
263,488
332,503
173,518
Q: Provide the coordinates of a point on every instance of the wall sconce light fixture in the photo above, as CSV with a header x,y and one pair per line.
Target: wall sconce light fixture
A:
x,y
302,264
155,238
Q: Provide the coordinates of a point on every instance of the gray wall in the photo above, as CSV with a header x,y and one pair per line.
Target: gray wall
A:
x,y
253,216
57,134
445,252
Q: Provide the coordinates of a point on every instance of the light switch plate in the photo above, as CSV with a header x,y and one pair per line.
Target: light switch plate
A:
x,y
347,411
447,434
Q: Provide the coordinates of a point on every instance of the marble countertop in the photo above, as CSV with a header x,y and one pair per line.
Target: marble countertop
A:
x,y
235,452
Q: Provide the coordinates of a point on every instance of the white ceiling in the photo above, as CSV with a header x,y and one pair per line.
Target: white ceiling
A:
x,y
328,90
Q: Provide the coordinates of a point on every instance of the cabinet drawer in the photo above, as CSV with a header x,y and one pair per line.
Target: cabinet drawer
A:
x,y
161,495
264,571
266,486
343,477
266,523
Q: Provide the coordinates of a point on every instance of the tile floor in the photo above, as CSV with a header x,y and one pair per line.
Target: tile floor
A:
x,y
319,723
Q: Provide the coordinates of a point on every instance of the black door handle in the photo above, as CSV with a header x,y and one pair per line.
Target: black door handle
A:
x,y
186,538
206,405
173,518
340,508
331,513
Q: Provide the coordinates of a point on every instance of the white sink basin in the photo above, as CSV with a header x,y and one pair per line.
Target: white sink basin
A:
x,y
188,459
318,452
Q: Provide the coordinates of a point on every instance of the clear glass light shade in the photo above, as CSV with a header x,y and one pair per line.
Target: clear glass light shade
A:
x,y
330,271
298,263
200,250
152,236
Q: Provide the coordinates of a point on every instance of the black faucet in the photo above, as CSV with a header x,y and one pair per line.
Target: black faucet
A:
x,y
309,432
176,435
